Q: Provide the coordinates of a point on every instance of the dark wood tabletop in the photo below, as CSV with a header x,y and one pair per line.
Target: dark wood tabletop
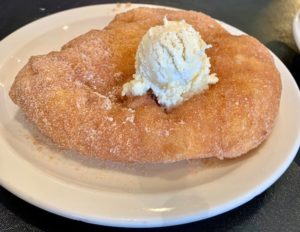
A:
x,y
276,209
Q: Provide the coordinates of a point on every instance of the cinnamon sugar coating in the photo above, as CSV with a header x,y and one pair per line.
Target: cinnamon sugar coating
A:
x,y
74,95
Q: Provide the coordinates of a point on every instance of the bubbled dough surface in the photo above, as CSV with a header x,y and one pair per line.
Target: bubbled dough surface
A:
x,y
74,95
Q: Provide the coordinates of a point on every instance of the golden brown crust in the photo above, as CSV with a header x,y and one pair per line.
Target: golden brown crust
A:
x,y
73,96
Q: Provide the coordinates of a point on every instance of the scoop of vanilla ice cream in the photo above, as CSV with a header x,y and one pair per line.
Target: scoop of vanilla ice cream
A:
x,y
171,61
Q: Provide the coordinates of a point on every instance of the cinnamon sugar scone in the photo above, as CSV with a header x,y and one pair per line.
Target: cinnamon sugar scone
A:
x,y
74,95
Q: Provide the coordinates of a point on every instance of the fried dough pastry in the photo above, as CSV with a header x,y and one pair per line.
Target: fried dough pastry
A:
x,y
74,95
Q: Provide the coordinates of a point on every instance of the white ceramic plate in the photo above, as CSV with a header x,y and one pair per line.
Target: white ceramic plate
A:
x,y
126,195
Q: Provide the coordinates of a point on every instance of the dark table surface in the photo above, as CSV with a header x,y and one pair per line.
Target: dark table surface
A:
x,y
277,209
